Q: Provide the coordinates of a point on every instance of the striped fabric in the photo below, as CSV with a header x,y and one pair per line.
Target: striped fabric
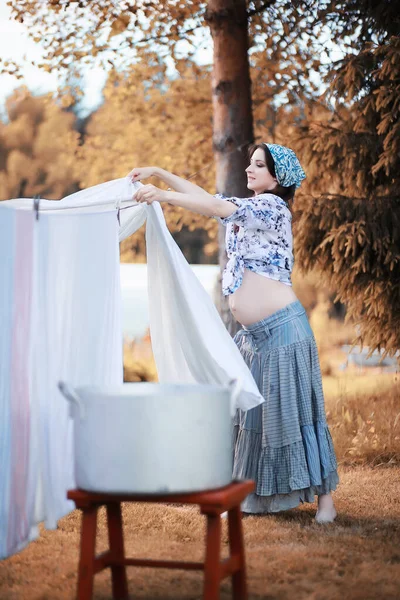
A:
x,y
16,501
284,444
7,278
53,295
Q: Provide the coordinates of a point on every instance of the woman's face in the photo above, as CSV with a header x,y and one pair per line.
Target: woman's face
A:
x,y
259,178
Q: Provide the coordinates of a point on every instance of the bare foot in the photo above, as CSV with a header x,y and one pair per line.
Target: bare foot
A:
x,y
326,512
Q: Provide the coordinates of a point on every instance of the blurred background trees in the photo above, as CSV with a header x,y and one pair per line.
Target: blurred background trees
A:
x,y
349,226
324,80
37,148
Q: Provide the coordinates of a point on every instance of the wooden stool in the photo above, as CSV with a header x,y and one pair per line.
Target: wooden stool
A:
x,y
212,504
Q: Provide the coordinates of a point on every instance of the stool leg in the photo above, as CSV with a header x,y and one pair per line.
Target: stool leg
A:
x,y
87,553
212,566
239,587
116,541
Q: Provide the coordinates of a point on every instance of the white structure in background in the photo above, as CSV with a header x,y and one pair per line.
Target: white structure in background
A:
x,y
359,356
135,304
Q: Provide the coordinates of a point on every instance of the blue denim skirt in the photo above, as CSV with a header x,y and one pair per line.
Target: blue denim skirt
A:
x,y
284,444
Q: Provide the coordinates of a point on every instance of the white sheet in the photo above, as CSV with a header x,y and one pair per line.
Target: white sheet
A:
x,y
189,340
60,319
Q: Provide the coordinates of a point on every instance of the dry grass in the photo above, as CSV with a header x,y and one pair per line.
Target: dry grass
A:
x,y
366,428
139,362
288,555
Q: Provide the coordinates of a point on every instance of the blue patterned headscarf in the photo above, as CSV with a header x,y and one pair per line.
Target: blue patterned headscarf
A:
x,y
287,167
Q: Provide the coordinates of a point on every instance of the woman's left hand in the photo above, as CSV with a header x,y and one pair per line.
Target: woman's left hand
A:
x,y
149,194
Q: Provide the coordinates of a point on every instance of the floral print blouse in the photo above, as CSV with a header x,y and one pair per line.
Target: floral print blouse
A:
x,y
258,238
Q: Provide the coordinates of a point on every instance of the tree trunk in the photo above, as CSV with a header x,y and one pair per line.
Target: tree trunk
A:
x,y
232,111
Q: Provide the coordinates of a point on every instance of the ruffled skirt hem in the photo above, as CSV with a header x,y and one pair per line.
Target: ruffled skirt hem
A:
x,y
256,504
286,476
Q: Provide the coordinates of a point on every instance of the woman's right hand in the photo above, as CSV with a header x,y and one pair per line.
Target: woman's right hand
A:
x,y
142,173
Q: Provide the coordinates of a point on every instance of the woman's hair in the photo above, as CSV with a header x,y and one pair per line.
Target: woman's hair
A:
x,y
286,193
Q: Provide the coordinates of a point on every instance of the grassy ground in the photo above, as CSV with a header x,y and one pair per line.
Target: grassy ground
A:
x,y
288,555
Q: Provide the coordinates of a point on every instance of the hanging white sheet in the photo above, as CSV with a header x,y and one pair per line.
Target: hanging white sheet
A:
x,y
60,319
189,340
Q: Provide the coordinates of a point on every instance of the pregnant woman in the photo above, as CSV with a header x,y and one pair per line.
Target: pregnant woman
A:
x,y
284,444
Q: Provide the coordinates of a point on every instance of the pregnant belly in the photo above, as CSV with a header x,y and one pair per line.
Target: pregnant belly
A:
x,y
259,297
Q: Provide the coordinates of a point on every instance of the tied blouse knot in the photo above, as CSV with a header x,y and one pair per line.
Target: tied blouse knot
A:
x,y
258,238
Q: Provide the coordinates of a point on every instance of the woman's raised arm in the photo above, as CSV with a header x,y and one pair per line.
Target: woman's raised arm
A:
x,y
177,183
204,203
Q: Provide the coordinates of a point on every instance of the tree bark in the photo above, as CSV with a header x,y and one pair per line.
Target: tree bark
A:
x,y
232,110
